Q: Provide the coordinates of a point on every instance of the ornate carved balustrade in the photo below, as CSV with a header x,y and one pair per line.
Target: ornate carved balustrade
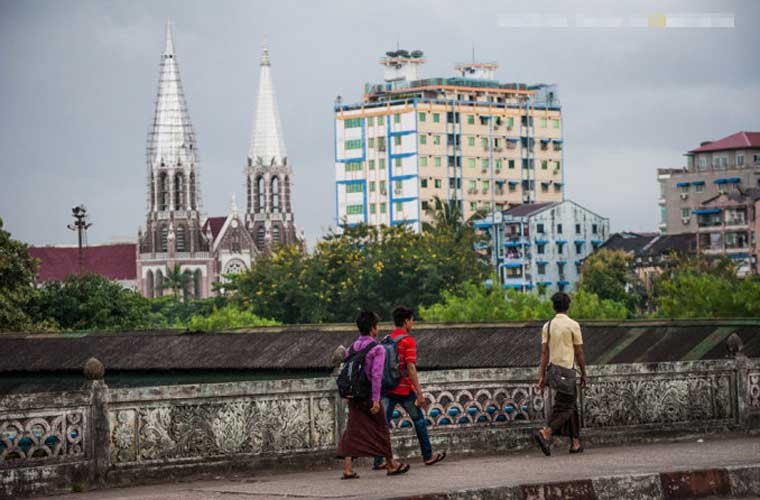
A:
x,y
128,433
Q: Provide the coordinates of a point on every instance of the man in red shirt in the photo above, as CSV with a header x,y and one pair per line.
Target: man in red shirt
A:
x,y
408,393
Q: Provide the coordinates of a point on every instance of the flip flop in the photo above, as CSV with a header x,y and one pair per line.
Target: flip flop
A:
x,y
353,475
438,457
542,443
401,469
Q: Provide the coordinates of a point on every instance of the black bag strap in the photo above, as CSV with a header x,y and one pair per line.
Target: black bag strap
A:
x,y
363,352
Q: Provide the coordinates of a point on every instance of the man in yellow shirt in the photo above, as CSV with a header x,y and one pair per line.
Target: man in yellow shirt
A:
x,y
562,346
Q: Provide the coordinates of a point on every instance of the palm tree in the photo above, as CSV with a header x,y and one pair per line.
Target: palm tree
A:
x,y
447,217
176,280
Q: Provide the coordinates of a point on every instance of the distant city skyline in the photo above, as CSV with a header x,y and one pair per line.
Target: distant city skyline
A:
x,y
77,87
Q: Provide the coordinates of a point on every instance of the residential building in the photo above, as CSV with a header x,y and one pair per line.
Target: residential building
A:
x,y
543,244
723,166
470,140
728,224
652,252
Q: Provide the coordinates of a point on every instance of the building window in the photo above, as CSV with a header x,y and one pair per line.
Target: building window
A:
x,y
382,187
541,267
260,236
471,162
740,160
699,188
470,119
353,144
512,187
422,116
559,228
354,209
399,206
397,140
371,142
510,121
473,185
557,165
372,186
756,159
555,123
577,229
179,192
383,208
486,185
354,166
163,192
511,164
484,142
372,164
352,123
149,287
425,205
540,228
578,247
542,123
544,164
354,188
684,188
544,187
371,121
380,120
484,163
702,163
471,141
685,212
261,194
423,139
423,161
594,229
372,208
381,163
437,140
423,183
436,118
438,183
397,162
437,161
540,248
275,194
396,118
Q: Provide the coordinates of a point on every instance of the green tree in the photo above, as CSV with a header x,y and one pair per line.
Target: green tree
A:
x,y
608,275
226,318
91,302
18,271
177,281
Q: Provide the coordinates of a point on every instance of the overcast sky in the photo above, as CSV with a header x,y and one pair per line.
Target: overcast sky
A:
x,y
78,80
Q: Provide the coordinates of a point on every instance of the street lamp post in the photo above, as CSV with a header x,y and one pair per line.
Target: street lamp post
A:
x,y
80,226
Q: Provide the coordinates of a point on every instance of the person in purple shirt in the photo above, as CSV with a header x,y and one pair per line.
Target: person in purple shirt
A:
x,y
367,433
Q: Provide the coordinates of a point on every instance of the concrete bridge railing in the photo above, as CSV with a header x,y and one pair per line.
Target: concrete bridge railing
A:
x,y
101,436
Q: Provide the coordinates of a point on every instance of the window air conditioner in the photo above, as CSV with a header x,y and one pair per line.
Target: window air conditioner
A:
x,y
685,220
684,196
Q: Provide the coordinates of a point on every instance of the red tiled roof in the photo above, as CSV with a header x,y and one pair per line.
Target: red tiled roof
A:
x,y
115,262
738,140
215,223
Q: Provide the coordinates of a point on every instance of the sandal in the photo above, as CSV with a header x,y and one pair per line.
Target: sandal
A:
x,y
539,438
437,458
401,469
576,450
353,475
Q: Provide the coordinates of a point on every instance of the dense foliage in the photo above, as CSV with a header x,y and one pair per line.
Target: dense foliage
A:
x,y
17,273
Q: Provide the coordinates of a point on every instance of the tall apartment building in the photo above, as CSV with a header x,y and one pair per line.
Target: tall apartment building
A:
x,y
542,245
731,164
472,140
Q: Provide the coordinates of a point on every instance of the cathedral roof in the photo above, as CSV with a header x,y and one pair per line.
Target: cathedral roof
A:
x,y
115,261
171,137
215,224
267,142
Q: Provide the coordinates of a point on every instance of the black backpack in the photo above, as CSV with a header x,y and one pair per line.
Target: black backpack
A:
x,y
352,380
392,370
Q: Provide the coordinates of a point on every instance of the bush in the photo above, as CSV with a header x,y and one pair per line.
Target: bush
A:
x,y
226,318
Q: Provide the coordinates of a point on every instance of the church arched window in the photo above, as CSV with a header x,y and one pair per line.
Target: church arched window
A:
x,y
187,284
149,290
260,237
197,282
181,238
192,191
152,192
179,192
287,194
275,194
163,235
249,194
276,234
261,194
159,283
163,192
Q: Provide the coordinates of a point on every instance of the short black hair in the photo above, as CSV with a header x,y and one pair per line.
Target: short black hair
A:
x,y
561,302
366,321
401,314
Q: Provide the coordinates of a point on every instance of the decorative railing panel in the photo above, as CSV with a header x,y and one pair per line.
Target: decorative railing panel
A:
x,y
753,389
38,436
253,419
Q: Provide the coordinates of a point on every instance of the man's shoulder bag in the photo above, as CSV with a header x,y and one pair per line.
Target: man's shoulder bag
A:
x,y
559,378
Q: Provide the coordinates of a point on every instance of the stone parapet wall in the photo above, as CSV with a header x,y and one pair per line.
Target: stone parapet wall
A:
x,y
100,436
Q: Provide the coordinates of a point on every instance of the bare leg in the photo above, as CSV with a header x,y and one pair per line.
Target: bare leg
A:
x,y
391,464
575,444
348,467
546,432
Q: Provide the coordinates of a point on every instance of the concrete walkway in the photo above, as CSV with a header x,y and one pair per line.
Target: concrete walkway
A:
x,y
614,472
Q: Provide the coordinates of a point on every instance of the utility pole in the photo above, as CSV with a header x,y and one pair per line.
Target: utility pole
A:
x,y
80,226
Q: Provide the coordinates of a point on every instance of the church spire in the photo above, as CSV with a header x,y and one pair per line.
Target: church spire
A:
x,y
171,139
267,144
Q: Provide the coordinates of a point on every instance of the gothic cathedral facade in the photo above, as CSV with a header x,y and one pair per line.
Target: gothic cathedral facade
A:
x,y
182,245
